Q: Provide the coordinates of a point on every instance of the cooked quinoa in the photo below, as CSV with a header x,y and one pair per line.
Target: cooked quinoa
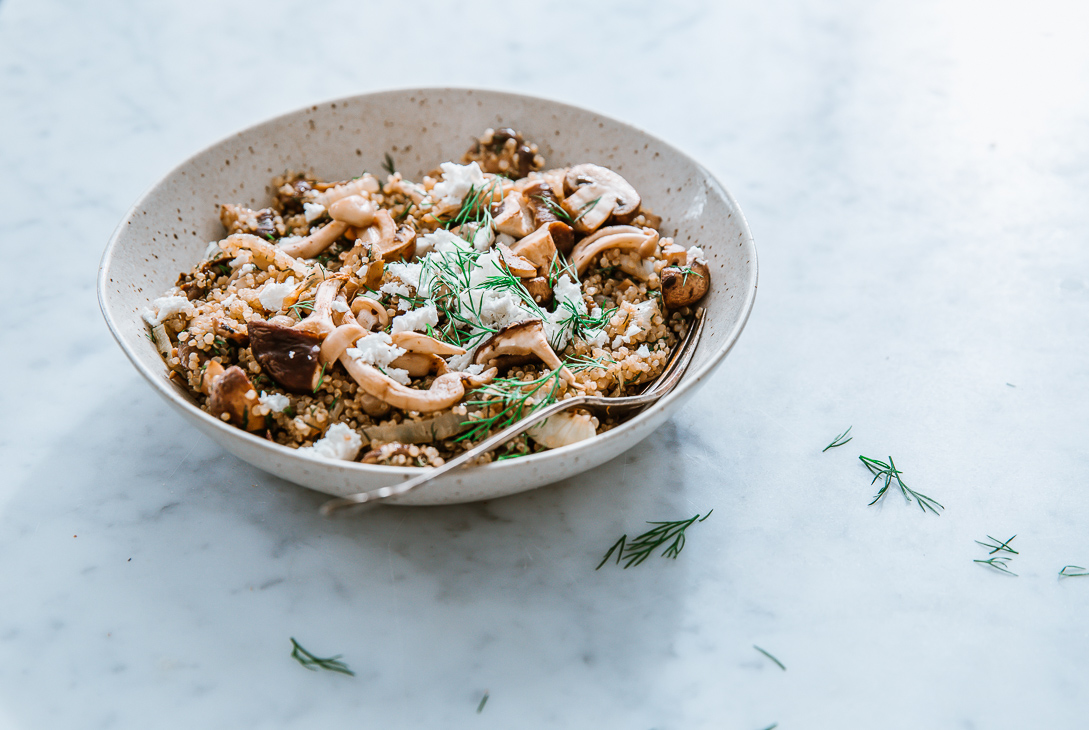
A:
x,y
399,322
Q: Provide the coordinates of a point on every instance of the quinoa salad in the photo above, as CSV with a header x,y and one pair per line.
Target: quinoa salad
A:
x,y
400,322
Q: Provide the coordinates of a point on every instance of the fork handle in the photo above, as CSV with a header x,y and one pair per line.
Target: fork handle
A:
x,y
376,496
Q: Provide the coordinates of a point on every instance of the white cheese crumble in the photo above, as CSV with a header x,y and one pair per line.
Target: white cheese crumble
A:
x,y
338,306
482,239
247,268
408,273
272,294
642,351
695,252
274,401
313,211
401,376
167,307
569,304
394,287
416,320
456,182
375,349
339,442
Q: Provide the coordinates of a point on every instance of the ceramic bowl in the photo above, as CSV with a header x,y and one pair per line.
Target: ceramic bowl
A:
x,y
169,227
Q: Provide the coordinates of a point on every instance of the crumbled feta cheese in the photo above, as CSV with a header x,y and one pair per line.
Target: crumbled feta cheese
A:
x,y
313,211
597,339
275,402
482,239
461,363
247,268
417,320
408,273
456,182
695,252
394,287
288,240
339,442
167,307
569,305
338,306
399,375
272,294
643,351
243,258
372,295
375,349
474,369
644,313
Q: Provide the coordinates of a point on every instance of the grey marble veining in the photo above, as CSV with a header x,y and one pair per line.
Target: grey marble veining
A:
x,y
916,180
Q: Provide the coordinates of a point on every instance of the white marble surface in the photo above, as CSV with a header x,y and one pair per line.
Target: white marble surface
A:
x,y
916,181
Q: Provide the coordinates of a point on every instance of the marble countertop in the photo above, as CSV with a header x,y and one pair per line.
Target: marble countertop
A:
x,y
916,180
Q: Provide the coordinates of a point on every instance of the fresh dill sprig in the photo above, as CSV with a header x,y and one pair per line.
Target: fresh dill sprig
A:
x,y
388,165
772,726
889,472
475,209
996,545
483,701
586,209
998,563
1064,574
769,656
510,399
837,442
313,663
298,308
686,270
321,377
635,552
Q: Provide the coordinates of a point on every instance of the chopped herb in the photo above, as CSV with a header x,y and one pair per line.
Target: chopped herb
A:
x,y
836,441
403,213
556,208
634,552
769,656
998,563
772,726
998,545
313,663
483,701
224,269
298,308
1065,574
686,270
586,209
889,472
270,237
388,165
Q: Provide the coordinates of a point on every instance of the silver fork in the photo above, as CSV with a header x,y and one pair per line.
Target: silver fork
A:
x,y
609,406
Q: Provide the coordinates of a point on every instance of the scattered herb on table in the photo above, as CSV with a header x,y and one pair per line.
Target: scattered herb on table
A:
x,y
1065,574
772,726
998,563
313,663
642,547
388,165
837,442
997,545
889,471
769,656
483,701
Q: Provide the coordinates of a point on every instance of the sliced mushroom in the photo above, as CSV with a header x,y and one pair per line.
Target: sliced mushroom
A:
x,y
232,393
683,287
445,391
594,193
331,193
416,342
521,267
264,254
230,331
355,210
673,254
544,205
369,312
540,246
425,430
512,216
644,240
563,429
239,219
292,355
539,288
316,242
419,364
518,340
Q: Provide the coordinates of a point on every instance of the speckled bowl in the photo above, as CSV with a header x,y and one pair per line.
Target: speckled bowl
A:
x,y
167,230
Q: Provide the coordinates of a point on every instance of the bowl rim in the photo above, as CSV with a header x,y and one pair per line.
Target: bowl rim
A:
x,y
690,378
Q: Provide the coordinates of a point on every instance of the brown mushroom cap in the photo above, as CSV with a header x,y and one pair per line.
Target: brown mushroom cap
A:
x,y
355,210
291,357
233,393
516,264
683,288
539,289
615,197
543,204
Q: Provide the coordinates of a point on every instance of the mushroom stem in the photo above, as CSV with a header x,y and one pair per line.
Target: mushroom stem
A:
x,y
445,391
317,241
264,253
